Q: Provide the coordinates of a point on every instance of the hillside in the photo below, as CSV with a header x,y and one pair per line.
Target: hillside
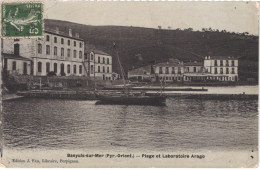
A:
x,y
138,45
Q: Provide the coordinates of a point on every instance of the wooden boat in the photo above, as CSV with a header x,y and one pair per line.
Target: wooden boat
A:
x,y
125,99
128,98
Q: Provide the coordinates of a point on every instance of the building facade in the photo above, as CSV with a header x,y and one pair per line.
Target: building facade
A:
x,y
172,70
144,73
221,68
99,65
215,68
57,52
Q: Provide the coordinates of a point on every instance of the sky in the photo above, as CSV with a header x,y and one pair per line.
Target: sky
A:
x,y
231,16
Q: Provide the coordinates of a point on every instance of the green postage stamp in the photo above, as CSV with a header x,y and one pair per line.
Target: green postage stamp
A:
x,y
22,19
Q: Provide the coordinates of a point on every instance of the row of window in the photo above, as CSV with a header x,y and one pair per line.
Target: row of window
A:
x,y
55,40
99,69
55,51
227,71
170,78
221,63
99,59
167,70
55,66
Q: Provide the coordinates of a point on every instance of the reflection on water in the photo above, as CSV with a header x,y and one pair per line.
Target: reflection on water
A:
x,y
182,124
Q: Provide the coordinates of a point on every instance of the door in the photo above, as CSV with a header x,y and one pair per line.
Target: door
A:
x,y
25,68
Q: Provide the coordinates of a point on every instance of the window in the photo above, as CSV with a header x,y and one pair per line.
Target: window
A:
x,y
221,70
107,60
188,69
55,39
173,70
47,38
14,65
39,48
98,59
80,54
47,49
227,64
194,69
216,70
47,67
39,67
91,56
233,70
55,67
75,44
80,69
62,52
179,70
91,69
16,49
216,63
68,53
99,69
68,42
68,69
80,45
233,63
55,51
104,69
160,70
107,69
221,62
104,60
62,41
167,70
227,70
75,69
74,53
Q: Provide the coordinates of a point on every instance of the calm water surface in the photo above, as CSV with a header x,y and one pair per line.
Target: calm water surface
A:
x,y
182,124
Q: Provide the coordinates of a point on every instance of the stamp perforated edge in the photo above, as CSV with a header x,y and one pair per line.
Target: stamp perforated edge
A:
x,y
21,2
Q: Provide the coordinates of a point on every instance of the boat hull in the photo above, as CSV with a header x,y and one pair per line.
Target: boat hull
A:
x,y
132,100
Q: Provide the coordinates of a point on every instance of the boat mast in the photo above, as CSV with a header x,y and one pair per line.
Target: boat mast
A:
x,y
120,65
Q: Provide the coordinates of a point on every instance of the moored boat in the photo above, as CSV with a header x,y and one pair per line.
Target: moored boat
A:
x,y
131,99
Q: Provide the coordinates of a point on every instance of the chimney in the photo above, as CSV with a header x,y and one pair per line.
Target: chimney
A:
x,y
70,32
206,58
77,35
57,30
209,57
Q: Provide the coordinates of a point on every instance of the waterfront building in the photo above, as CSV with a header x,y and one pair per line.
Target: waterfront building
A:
x,y
99,65
221,68
58,52
193,71
171,70
143,73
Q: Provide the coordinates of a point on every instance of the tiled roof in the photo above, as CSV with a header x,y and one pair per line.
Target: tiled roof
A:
x,y
16,57
221,57
171,62
52,31
100,52
193,64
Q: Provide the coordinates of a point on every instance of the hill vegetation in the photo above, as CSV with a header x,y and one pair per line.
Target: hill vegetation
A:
x,y
137,45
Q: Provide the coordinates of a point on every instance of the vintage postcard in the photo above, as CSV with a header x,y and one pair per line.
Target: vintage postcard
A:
x,y
129,84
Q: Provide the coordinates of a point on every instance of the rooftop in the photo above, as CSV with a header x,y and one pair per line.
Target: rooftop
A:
x,y
100,52
171,62
194,63
12,56
60,33
221,57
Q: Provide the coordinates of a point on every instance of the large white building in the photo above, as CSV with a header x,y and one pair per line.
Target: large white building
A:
x,y
221,68
58,52
99,65
169,71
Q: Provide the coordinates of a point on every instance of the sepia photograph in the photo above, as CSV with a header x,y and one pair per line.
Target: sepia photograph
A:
x,y
116,84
